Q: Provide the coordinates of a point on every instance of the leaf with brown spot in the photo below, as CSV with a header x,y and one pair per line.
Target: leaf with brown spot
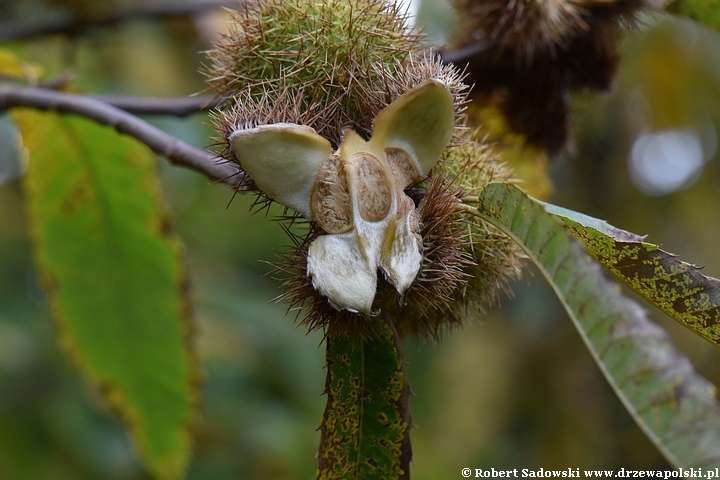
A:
x,y
115,277
671,403
366,426
675,287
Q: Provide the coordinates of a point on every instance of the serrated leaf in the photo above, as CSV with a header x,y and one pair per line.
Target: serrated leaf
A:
x,y
106,256
676,287
366,425
704,11
673,405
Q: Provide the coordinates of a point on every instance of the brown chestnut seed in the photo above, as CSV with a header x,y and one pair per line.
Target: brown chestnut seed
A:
x,y
373,188
330,201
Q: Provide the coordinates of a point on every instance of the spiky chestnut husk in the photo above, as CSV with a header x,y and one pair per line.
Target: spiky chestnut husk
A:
x,y
527,28
465,264
521,26
287,102
334,56
326,64
537,51
497,259
446,256
282,104
250,68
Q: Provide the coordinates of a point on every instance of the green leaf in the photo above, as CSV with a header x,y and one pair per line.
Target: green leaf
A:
x,y
676,287
106,256
366,426
704,11
673,405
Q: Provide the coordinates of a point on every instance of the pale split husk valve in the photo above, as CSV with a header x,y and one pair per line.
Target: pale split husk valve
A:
x,y
355,194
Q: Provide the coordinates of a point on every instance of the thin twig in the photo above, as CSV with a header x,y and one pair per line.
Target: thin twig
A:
x,y
17,30
463,55
175,106
174,149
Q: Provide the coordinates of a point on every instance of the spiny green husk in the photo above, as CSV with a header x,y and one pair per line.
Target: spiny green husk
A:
x,y
339,59
497,259
429,300
466,264
329,65
287,101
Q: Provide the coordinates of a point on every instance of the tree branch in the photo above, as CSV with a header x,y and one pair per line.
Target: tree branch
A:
x,y
162,143
17,30
461,56
175,106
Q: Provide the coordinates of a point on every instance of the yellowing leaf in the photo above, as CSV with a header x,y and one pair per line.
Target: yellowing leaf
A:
x,y
528,162
12,67
676,287
106,256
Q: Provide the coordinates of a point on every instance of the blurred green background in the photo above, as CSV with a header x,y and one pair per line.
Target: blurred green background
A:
x,y
514,389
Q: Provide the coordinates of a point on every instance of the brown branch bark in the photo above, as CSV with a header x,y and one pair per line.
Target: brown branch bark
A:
x,y
461,56
174,106
17,30
175,150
